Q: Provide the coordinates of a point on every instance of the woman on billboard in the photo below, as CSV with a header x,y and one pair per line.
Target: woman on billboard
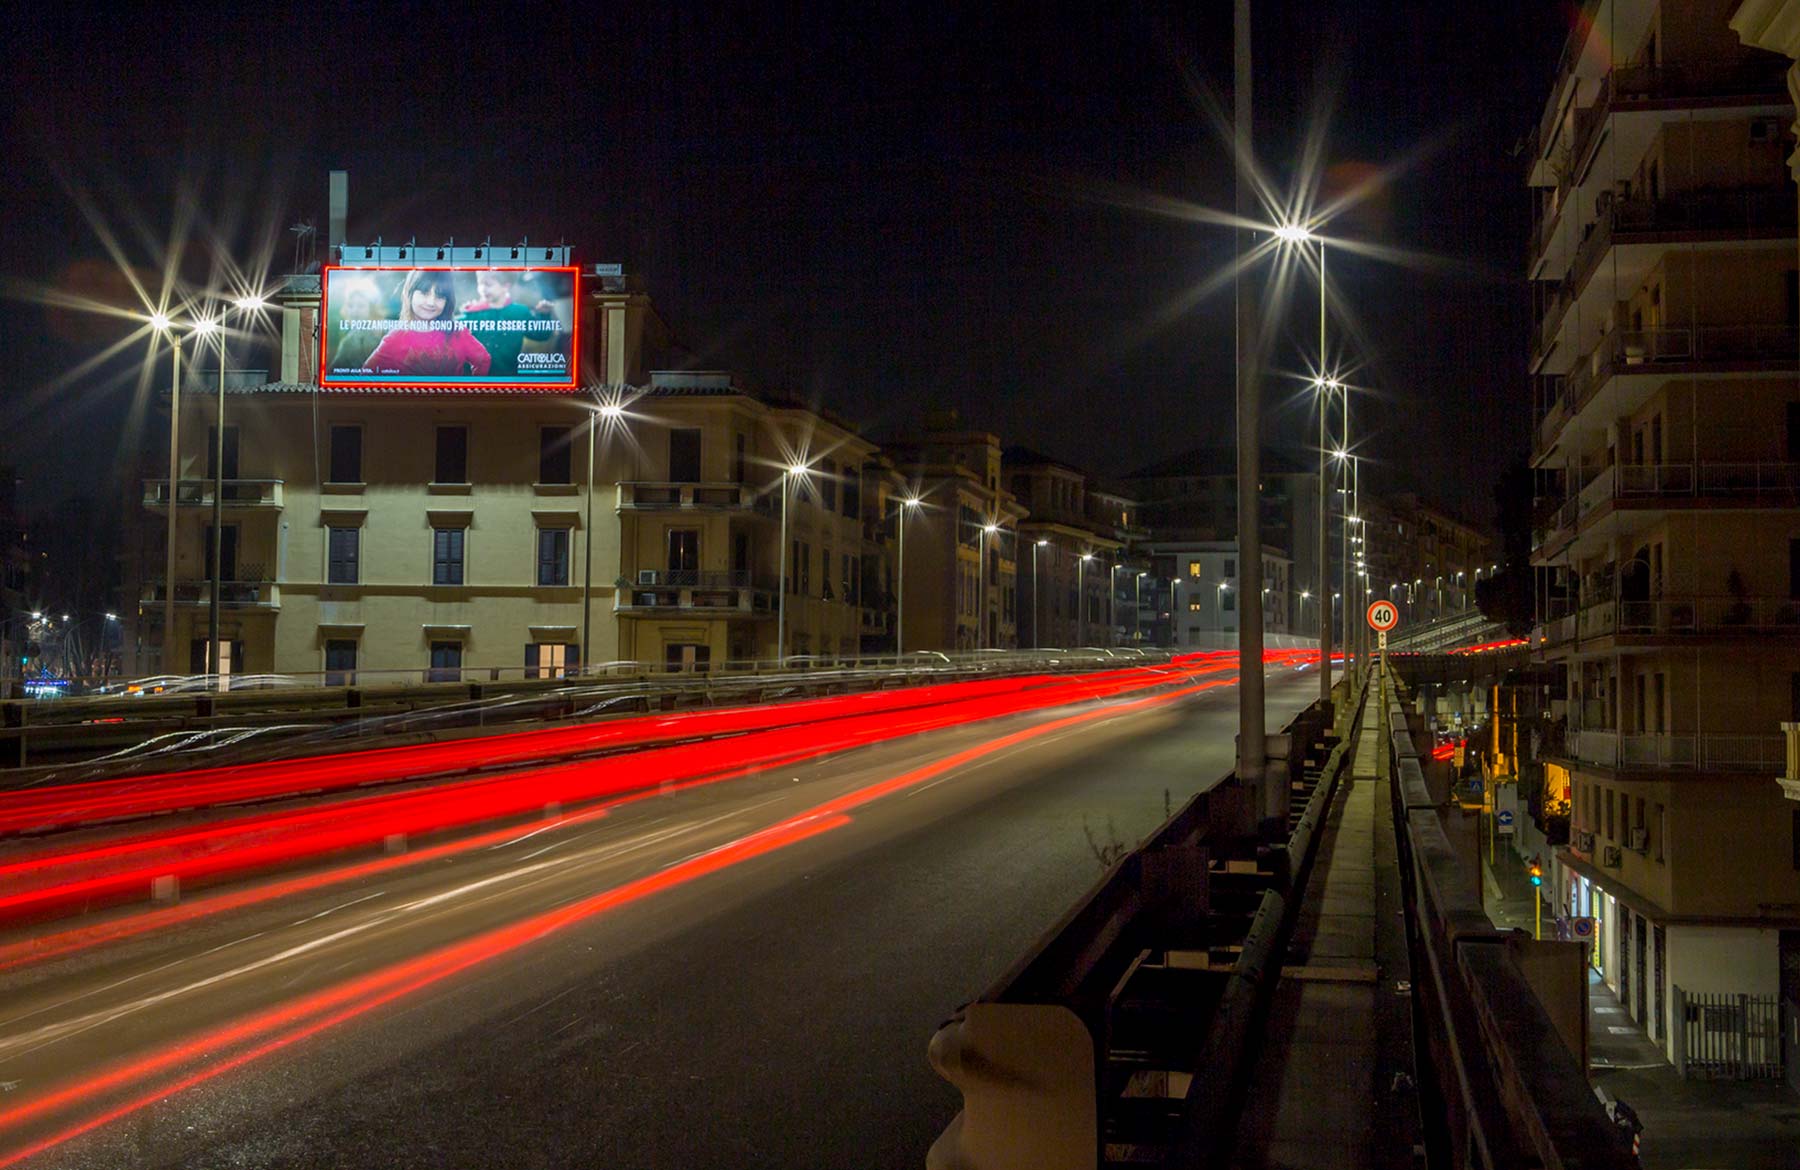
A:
x,y
427,342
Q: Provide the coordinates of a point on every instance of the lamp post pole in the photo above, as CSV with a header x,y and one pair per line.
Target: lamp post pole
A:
x,y
218,530
168,609
587,547
1251,749
1173,639
1037,599
1324,500
1137,609
906,506
781,596
1081,599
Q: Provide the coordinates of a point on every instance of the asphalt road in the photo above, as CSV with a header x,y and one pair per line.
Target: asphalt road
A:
x,y
772,1011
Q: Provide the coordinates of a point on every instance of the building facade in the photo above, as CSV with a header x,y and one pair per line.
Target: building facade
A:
x,y
1074,544
428,535
961,586
1192,497
1667,451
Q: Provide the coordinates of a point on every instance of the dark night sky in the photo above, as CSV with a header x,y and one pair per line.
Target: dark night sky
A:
x,y
881,210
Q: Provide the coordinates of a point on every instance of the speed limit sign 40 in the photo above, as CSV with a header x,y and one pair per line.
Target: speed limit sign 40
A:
x,y
1383,616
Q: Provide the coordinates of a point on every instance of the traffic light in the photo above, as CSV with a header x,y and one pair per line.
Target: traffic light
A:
x,y
1537,874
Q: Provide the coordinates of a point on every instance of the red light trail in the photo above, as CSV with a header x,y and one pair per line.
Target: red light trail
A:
x,y
131,1085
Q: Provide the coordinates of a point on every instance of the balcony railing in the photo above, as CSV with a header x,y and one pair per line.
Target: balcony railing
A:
x,y
1749,212
238,493
1640,351
646,496
1678,617
1705,751
698,589
232,594
1708,479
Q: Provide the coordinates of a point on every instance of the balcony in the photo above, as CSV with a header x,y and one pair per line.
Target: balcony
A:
x,y
232,594
1677,618
238,493
1669,751
1674,351
1739,213
695,497
1748,81
727,592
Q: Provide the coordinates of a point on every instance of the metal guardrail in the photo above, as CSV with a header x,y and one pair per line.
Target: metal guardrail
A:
x,y
203,727
1169,951
1499,1084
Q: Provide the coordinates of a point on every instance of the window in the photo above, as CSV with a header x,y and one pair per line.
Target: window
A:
x,y
1661,825
554,461
684,552
340,662
553,556
828,485
849,588
1194,607
1611,824
231,452
737,460
1231,568
805,567
452,455
228,547
1194,570
852,494
825,574
684,455
447,556
446,662
342,545
346,454
550,659
1230,600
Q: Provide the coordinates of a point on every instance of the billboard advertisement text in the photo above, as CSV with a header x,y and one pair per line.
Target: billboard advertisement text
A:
x,y
491,328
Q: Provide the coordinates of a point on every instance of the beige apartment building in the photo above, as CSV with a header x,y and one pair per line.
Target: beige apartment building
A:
x,y
429,535
961,588
1667,446
1071,548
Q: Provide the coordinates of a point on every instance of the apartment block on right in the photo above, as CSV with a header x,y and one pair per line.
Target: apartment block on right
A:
x,y
1664,356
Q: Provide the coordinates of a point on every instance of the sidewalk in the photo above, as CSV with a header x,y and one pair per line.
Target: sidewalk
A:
x,y
1727,1125
1332,1085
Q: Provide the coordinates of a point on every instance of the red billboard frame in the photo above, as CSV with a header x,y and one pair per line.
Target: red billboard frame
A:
x,y
574,381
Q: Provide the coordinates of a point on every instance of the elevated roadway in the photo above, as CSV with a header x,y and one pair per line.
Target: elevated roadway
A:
x,y
734,973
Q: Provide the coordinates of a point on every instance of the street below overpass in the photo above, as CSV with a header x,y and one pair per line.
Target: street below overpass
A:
x,y
734,974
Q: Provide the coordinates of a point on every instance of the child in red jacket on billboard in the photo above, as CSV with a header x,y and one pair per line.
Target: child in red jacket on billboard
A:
x,y
422,346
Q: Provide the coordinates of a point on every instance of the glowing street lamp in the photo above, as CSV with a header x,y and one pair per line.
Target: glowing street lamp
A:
x,y
981,605
1081,599
1037,599
908,504
787,477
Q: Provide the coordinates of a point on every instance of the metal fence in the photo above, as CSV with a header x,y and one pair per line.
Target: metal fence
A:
x,y
1726,1036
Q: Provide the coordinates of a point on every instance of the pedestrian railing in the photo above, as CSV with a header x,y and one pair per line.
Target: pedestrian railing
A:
x,y
1725,1036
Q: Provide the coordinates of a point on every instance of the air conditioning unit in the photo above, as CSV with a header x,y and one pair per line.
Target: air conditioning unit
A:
x,y
1640,840
646,576
1584,841
1611,857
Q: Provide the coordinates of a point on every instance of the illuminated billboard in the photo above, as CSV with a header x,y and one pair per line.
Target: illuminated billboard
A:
x,y
477,328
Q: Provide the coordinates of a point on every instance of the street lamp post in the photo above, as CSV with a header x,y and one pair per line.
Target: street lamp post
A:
x,y
164,326
1081,598
1137,609
1173,639
1037,599
981,602
215,659
787,476
906,505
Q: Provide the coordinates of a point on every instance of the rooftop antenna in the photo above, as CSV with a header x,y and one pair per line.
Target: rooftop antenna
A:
x,y
305,240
